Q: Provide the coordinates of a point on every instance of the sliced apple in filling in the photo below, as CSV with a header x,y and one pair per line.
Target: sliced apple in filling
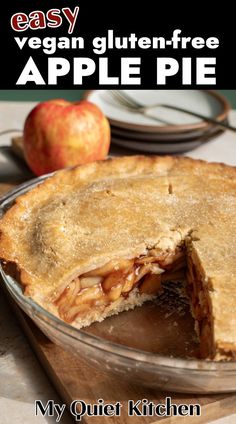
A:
x,y
101,292
102,287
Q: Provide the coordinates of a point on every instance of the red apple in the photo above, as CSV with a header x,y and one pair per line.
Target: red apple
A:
x,y
58,134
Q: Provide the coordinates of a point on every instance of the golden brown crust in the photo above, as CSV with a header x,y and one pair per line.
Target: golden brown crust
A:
x,y
80,219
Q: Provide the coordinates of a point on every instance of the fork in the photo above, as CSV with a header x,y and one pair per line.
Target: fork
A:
x,y
126,101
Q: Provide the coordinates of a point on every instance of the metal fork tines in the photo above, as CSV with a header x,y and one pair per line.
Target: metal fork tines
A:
x,y
126,101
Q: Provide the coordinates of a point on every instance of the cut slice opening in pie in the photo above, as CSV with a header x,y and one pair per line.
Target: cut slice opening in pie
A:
x,y
114,281
103,238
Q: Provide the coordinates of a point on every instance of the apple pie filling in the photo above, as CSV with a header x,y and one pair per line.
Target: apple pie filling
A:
x,y
201,309
115,280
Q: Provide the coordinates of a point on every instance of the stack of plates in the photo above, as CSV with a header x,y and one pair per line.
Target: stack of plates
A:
x,y
174,131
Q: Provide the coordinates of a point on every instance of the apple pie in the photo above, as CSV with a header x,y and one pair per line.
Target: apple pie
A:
x,y
102,238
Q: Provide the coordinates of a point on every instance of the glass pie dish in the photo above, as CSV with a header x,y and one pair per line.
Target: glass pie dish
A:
x,y
153,345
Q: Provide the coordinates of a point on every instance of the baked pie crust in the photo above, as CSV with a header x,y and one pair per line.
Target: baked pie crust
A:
x,y
101,238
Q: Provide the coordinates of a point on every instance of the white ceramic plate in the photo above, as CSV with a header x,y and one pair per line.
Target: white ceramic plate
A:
x,y
163,147
207,103
173,137
157,147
